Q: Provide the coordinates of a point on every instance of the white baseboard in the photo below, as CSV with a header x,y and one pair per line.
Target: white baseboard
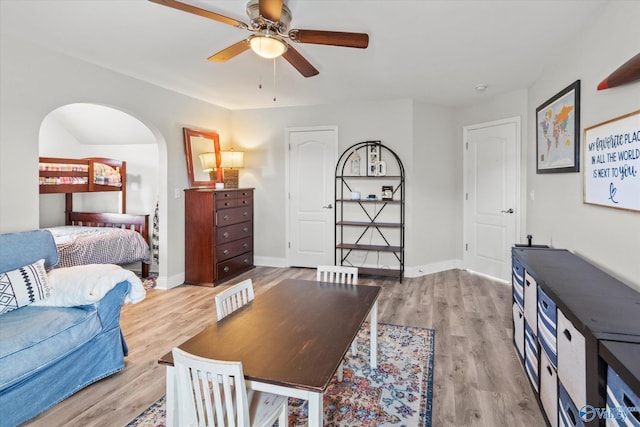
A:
x,y
435,267
423,270
165,283
266,261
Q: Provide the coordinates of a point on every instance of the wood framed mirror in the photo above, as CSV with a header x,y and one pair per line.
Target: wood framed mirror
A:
x,y
197,143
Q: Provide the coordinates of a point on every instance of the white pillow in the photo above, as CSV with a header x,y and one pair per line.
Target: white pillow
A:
x,y
87,284
23,286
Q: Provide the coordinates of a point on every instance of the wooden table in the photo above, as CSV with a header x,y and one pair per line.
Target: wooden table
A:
x,y
290,340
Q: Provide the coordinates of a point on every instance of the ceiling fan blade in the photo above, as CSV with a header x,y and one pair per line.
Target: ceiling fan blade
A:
x,y
299,63
270,9
230,52
333,38
201,12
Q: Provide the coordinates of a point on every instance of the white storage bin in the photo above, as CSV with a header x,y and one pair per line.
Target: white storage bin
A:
x,y
568,414
572,360
619,398
549,389
518,329
547,324
531,302
517,282
531,355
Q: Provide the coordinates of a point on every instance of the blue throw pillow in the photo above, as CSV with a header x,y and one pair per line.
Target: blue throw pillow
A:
x,y
23,286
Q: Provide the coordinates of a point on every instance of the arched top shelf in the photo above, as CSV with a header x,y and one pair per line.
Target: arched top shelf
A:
x,y
369,210
365,151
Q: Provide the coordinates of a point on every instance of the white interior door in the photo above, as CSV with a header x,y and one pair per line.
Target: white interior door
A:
x,y
311,169
491,182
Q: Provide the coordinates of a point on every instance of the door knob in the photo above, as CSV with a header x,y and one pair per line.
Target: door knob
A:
x,y
329,206
510,210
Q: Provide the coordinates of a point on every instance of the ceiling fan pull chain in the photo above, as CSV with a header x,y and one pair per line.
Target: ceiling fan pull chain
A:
x,y
274,79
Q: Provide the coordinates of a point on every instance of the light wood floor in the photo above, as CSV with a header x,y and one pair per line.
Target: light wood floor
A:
x,y
478,378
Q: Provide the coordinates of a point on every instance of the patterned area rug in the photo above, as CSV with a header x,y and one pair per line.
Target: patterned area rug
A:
x,y
397,393
149,282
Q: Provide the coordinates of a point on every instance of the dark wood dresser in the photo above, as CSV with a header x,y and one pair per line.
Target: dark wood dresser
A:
x,y
218,234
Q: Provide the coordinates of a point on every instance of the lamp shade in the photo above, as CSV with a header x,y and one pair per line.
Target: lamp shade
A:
x,y
267,46
232,159
208,161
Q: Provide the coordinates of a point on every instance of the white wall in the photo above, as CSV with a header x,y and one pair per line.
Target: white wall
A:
x,y
609,238
421,135
34,82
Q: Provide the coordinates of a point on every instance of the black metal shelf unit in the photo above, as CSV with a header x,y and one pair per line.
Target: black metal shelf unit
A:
x,y
367,224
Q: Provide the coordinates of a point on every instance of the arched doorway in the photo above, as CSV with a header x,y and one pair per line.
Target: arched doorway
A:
x,y
91,130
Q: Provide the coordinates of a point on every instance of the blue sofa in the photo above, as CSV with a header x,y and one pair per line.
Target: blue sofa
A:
x,y
49,353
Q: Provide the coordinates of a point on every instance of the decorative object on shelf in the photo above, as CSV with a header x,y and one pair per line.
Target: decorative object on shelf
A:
x,y
612,163
365,221
626,73
387,192
231,162
354,161
558,132
373,156
207,144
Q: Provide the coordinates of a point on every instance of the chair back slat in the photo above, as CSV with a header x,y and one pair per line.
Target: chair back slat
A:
x,y
337,274
210,392
233,298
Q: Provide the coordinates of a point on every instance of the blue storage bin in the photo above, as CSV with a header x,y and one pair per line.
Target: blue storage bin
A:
x,y
547,326
531,355
517,282
621,398
568,414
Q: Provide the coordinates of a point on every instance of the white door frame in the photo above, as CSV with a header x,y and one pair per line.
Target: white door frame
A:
x,y
287,132
517,121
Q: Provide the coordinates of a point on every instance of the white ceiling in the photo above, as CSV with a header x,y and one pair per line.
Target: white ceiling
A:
x,y
436,51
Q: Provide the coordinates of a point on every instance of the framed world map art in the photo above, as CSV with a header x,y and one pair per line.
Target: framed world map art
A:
x,y
558,132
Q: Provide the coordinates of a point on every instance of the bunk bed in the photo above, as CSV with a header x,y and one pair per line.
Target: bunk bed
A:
x,y
94,238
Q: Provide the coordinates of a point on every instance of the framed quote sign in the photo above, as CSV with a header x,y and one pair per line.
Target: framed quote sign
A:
x,y
612,163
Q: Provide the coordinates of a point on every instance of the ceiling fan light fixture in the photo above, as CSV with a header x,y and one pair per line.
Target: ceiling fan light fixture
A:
x,y
267,45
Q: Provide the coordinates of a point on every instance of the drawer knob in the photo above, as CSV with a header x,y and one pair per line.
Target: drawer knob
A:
x,y
226,217
226,269
246,245
567,334
225,234
246,229
246,261
226,252
245,213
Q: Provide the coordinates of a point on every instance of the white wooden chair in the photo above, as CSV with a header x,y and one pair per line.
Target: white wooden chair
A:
x,y
339,274
213,393
233,298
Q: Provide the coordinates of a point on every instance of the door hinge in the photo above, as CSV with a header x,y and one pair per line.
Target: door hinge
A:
x,y
466,246
289,245
466,196
467,145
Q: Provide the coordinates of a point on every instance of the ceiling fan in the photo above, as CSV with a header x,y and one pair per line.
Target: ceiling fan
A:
x,y
269,23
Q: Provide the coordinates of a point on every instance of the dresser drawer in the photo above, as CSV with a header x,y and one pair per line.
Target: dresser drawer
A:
x,y
233,232
229,250
234,215
245,201
234,265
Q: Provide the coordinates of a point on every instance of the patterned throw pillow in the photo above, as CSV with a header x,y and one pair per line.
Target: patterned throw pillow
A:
x,y
23,286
